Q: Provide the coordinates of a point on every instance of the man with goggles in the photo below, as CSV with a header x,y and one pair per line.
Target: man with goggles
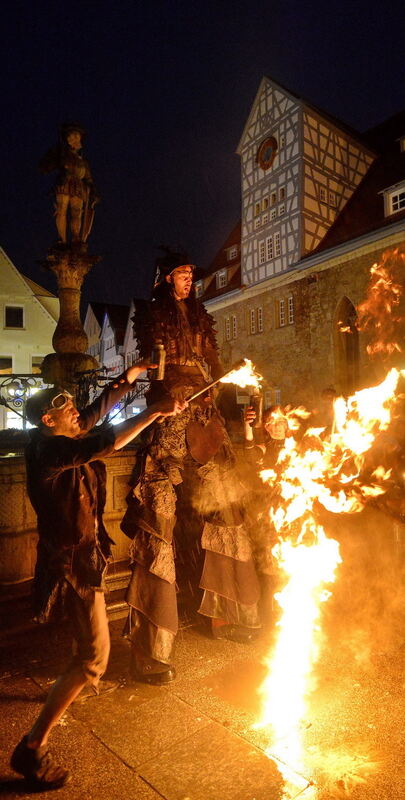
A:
x,y
66,485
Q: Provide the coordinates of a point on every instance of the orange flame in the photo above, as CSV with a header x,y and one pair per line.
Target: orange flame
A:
x,y
380,313
243,376
314,470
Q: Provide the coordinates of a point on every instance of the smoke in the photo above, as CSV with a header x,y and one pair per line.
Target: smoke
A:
x,y
365,614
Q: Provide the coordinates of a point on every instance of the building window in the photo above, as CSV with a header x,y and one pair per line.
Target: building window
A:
x,y
290,307
332,199
273,199
265,203
322,194
394,199
277,397
260,320
281,313
6,365
36,362
398,201
281,194
269,248
14,317
281,209
220,278
252,321
265,218
273,213
277,245
234,326
257,209
262,252
258,223
198,288
267,399
227,329
232,252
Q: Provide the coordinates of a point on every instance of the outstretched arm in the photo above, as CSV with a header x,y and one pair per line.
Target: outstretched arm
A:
x,y
111,395
131,428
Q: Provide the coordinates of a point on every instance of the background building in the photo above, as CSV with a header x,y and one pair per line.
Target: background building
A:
x,y
28,315
320,205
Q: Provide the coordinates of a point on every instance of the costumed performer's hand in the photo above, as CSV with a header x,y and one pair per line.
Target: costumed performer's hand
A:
x,y
249,415
169,407
136,369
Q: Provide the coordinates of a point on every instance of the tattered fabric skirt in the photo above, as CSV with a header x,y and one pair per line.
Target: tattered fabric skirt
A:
x,y
187,524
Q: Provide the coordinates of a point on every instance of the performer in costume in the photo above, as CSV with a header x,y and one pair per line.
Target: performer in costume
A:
x,y
185,507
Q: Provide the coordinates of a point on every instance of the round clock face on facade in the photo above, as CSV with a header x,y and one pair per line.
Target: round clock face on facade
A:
x,y
266,152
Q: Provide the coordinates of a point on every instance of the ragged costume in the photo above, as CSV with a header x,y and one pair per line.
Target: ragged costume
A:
x,y
185,516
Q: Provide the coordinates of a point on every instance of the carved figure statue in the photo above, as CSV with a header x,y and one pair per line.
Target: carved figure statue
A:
x,y
75,194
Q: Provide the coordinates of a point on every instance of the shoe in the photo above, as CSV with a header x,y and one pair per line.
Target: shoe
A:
x,y
38,767
236,633
154,678
89,691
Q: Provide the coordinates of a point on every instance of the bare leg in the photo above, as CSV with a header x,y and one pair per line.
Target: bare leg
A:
x,y
62,694
91,634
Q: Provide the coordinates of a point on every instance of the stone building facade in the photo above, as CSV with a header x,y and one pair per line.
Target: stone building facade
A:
x,y
320,205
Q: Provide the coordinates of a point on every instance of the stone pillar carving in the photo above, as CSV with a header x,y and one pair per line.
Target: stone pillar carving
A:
x,y
70,264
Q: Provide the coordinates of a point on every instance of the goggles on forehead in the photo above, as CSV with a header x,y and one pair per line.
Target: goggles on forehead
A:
x,y
60,400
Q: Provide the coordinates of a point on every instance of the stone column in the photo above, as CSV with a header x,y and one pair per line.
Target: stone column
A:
x,y
70,263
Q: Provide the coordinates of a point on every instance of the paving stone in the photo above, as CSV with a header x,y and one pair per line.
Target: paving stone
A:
x,y
97,773
213,764
136,726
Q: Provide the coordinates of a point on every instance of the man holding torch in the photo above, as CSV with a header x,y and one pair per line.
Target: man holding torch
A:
x,y
66,486
184,516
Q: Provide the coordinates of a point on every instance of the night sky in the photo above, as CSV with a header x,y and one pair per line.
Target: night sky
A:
x,y
163,90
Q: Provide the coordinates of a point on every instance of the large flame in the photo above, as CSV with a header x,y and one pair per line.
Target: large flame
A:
x,y
380,314
326,470
243,376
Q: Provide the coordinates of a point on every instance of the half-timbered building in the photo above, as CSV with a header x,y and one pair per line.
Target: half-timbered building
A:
x,y
320,204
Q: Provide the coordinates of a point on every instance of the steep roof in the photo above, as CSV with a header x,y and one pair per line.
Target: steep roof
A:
x,y
364,212
221,261
98,311
302,100
118,316
38,290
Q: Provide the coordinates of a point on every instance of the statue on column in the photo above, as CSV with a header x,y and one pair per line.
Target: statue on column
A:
x,y
69,259
75,194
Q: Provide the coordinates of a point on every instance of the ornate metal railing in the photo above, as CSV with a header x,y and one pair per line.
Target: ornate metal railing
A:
x,y
16,389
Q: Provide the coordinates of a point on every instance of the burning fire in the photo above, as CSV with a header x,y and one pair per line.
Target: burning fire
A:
x,y
243,376
326,470
380,314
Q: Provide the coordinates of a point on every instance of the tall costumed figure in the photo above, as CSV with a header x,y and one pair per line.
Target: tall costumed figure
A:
x,y
184,516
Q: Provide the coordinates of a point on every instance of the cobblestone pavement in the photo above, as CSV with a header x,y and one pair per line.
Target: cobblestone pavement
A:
x,y
193,739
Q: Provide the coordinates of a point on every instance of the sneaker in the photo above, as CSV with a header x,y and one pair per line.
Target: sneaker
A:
x,y
38,767
89,691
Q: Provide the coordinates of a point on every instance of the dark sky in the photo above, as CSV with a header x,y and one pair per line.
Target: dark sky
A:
x,y
164,90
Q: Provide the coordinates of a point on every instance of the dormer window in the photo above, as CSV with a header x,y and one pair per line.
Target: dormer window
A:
x,y
198,288
232,252
394,199
221,279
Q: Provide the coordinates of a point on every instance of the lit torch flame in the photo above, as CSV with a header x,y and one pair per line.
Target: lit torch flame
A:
x,y
244,376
